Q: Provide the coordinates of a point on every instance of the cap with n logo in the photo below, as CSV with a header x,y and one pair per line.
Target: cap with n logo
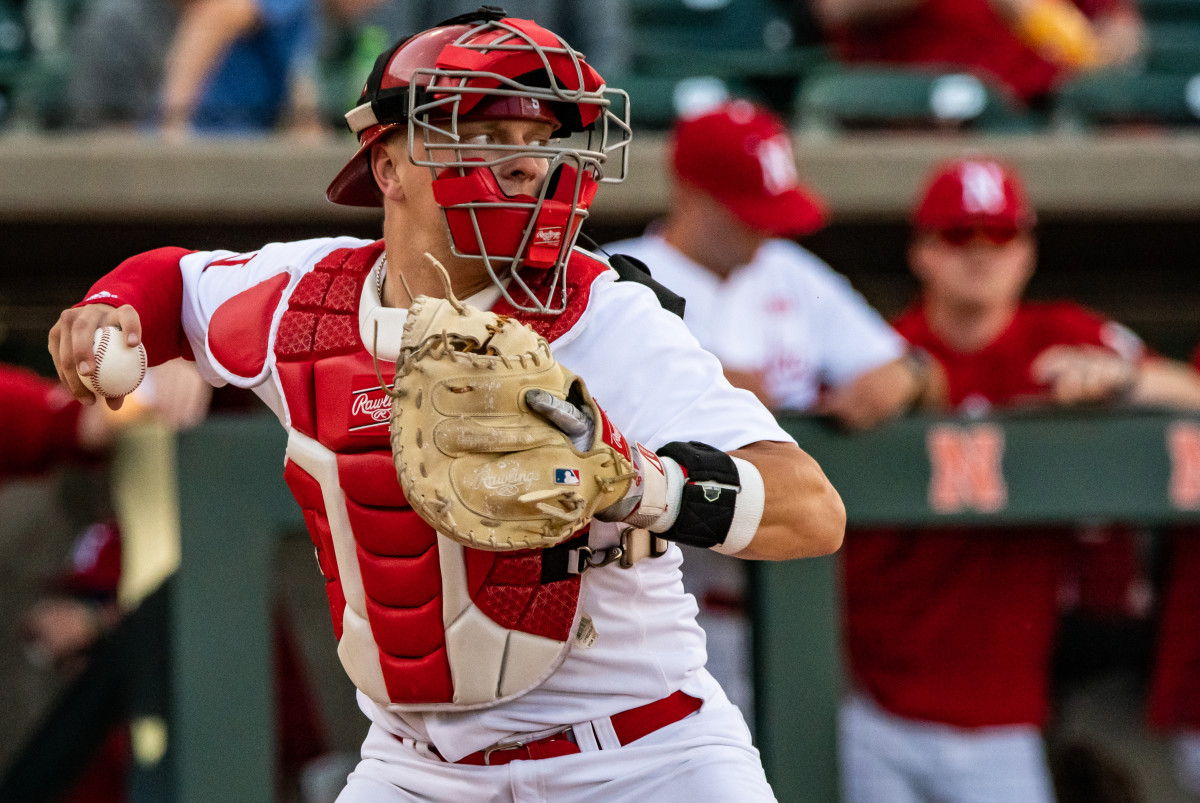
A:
x,y
973,192
741,154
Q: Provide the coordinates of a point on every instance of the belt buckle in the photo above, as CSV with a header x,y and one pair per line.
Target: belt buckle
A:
x,y
567,731
496,748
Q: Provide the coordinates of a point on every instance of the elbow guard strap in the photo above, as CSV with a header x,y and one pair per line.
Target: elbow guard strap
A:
x,y
721,501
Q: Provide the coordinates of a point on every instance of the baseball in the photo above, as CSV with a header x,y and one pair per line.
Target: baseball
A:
x,y
119,367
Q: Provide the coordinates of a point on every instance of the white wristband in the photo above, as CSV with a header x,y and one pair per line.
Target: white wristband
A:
x,y
748,511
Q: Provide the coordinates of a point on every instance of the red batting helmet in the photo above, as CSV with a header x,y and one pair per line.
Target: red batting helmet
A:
x,y
486,64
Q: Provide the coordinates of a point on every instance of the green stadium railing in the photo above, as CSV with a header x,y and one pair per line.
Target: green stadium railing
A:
x,y
1019,468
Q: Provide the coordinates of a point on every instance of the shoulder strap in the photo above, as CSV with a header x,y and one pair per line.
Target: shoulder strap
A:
x,y
630,269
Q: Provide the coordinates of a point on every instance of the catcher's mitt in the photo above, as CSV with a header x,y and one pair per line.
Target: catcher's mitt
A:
x,y
473,459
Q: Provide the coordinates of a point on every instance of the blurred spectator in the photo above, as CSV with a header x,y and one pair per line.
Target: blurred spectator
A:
x,y
117,53
41,426
252,66
206,66
949,630
784,325
240,66
1174,704
1029,46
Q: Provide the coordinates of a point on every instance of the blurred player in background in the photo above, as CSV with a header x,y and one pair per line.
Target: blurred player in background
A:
x,y
43,428
949,630
784,325
1174,703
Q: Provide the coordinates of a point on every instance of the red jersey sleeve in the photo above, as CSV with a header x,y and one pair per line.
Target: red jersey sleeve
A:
x,y
152,284
39,423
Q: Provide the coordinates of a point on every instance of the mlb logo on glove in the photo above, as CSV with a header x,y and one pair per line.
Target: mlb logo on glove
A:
x,y
566,476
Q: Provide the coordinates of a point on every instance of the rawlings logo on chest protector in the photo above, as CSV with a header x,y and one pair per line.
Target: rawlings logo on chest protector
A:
x,y
370,409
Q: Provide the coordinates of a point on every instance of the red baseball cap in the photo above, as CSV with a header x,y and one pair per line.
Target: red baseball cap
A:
x,y
741,154
974,192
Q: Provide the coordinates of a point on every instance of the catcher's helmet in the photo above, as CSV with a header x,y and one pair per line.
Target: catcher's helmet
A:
x,y
486,64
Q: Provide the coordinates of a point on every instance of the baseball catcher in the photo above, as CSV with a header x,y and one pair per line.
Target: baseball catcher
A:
x,y
515,597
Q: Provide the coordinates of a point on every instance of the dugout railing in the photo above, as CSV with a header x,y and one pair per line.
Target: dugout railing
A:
x,y
1048,467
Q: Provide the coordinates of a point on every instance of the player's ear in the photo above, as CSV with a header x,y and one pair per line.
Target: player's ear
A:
x,y
387,177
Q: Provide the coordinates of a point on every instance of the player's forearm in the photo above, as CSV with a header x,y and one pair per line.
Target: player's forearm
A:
x,y
803,515
1166,383
205,31
152,284
885,392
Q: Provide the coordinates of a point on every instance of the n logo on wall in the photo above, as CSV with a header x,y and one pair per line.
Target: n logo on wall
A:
x,y
1183,447
967,472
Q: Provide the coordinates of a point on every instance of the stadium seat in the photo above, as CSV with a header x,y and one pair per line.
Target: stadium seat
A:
x,y
33,72
746,41
1174,46
1169,10
670,36
14,54
655,101
890,98
1130,99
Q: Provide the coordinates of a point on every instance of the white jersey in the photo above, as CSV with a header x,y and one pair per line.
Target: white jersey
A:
x,y
645,369
787,315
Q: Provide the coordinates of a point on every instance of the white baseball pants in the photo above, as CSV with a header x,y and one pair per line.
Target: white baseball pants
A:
x,y
706,757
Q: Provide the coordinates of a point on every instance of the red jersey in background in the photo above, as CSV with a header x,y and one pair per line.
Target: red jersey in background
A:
x,y
953,624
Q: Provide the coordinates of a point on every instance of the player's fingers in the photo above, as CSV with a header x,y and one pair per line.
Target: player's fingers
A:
x,y
130,323
66,362
1050,363
52,346
576,423
562,414
81,338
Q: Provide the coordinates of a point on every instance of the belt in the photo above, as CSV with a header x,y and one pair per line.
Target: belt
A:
x,y
629,726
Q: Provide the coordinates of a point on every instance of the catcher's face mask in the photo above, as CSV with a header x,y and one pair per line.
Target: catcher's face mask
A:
x,y
487,66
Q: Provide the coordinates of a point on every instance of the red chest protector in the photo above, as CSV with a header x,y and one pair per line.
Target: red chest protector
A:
x,y
422,622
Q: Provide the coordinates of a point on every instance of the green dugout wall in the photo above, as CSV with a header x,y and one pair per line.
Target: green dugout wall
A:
x,y
1046,467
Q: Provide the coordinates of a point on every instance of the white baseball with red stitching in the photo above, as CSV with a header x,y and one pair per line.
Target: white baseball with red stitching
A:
x,y
120,368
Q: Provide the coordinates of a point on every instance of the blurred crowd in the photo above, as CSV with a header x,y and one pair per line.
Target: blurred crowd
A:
x,y
256,66
227,67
